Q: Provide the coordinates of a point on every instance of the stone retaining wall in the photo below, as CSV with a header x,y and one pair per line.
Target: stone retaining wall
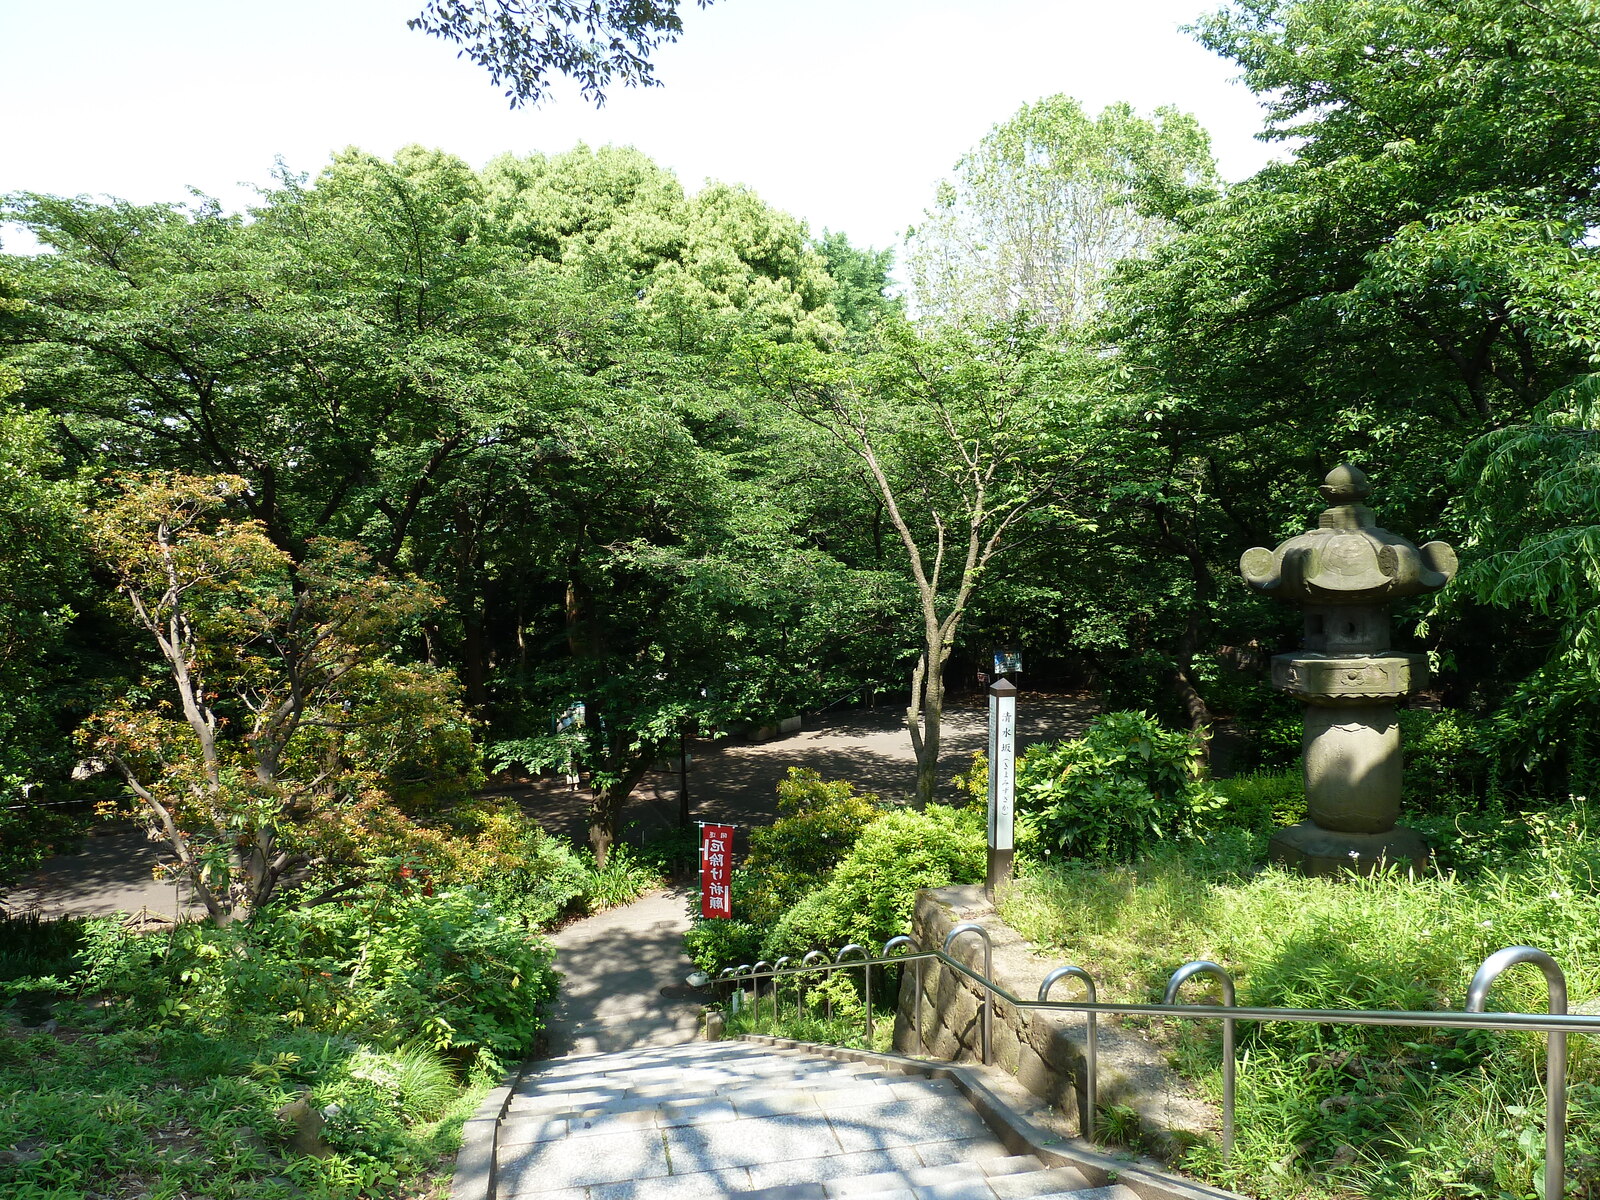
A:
x,y
1044,1051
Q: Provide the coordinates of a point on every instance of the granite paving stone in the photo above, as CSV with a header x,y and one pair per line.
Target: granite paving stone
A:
x,y
753,1140
904,1122
578,1162
838,1166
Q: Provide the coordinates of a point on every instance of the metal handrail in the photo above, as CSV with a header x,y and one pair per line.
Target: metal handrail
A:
x,y
1091,1083
988,975
755,992
1230,1056
1555,1063
866,980
1558,1023
799,988
888,947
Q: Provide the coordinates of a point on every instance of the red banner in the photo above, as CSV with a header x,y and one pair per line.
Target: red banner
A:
x,y
716,870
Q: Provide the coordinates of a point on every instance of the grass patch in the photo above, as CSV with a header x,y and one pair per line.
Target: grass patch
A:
x,y
1341,1111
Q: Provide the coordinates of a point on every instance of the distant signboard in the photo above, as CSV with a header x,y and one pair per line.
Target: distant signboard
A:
x,y
1008,662
716,870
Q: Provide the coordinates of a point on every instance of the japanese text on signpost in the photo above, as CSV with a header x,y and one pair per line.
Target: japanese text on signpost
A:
x,y
716,870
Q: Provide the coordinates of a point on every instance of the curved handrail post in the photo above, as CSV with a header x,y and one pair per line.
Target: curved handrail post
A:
x,y
739,973
1230,1063
988,974
1555,1069
782,963
755,1001
1092,1071
866,980
916,997
799,987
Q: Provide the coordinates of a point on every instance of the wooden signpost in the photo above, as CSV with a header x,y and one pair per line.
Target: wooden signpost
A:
x,y
1002,784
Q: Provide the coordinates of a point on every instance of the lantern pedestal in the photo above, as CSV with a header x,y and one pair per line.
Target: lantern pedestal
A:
x,y
1313,850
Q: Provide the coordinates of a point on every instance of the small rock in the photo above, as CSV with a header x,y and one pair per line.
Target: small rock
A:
x,y
306,1125
1343,1156
246,1136
716,1025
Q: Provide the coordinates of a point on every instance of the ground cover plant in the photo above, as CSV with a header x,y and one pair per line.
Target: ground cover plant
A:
x,y
156,1063
1402,1114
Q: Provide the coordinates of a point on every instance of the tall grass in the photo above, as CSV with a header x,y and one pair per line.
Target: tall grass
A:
x,y
1393,1114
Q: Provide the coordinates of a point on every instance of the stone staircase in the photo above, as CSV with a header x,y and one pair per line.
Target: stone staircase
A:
x,y
740,1119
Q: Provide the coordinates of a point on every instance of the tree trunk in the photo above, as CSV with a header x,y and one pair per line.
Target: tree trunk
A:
x,y
1194,704
474,655
602,829
685,812
605,808
572,613
924,717
932,723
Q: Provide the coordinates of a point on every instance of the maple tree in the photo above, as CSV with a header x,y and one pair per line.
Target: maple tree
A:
x,y
277,737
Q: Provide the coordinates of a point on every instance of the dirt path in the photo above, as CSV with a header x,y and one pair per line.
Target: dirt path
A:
x,y
733,782
736,782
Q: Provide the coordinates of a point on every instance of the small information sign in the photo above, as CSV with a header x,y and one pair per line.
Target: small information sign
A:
x,y
1002,782
716,870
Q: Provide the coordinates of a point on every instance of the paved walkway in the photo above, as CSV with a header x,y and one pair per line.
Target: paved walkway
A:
x,y
616,965
113,871
737,1119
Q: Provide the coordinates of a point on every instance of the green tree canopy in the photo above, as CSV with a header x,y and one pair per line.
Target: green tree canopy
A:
x,y
522,43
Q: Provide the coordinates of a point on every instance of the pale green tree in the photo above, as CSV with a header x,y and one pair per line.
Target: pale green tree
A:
x,y
1043,208
964,438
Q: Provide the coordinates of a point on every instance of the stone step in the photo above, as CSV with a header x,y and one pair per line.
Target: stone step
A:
x,y
697,1077
707,1120
1015,1177
828,1095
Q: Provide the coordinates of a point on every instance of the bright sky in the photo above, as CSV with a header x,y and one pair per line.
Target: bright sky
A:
x,y
843,112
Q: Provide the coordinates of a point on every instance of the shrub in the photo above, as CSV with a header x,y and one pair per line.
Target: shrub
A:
x,y
446,969
527,872
712,945
819,825
1450,758
524,870
1108,794
1261,801
869,897
32,945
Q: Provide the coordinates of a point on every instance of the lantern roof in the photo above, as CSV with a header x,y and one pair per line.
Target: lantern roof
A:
x,y
1348,558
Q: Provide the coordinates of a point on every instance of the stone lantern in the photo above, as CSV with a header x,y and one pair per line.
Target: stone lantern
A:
x,y
1344,574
